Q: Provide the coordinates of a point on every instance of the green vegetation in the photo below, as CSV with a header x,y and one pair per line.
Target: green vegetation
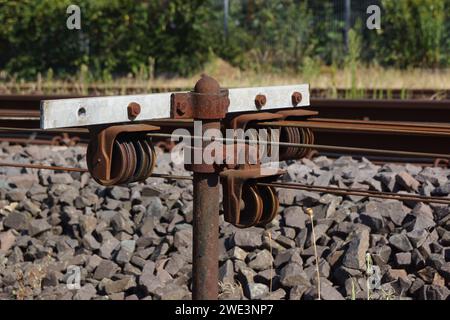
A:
x,y
150,38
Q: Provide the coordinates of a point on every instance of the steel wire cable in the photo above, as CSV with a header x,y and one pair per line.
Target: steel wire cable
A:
x,y
297,186
306,145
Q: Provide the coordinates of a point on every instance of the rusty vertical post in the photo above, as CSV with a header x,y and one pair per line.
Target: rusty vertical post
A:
x,y
210,104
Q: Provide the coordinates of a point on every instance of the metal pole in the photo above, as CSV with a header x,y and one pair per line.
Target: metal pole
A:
x,y
347,13
205,273
225,17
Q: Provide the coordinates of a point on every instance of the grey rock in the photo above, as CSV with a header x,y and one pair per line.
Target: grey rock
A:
x,y
442,190
434,292
285,241
127,248
90,242
400,242
119,193
295,217
247,239
293,275
407,181
372,219
417,237
86,292
237,253
324,179
445,238
106,269
16,195
286,256
327,292
388,209
380,254
31,207
183,238
445,271
446,253
297,292
388,179
108,246
87,224
268,277
60,178
287,196
171,292
17,220
121,223
37,226
123,284
403,259
226,272
423,217
261,261
301,238
256,291
245,275
355,255
155,207
279,294
175,263
7,240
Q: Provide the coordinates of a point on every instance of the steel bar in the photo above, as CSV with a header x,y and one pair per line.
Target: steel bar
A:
x,y
391,110
364,193
415,124
58,168
41,166
359,127
304,145
105,110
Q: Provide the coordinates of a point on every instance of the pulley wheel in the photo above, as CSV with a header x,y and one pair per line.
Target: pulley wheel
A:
x,y
251,207
118,162
270,205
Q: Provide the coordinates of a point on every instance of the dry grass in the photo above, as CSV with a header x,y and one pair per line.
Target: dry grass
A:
x,y
317,76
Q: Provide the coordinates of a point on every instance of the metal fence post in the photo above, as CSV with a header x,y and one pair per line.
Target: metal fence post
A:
x,y
209,106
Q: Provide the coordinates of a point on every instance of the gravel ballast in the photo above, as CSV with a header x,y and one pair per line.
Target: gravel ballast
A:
x,y
63,236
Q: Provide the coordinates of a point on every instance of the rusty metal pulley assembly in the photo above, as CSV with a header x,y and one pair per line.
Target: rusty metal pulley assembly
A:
x,y
295,135
121,154
248,204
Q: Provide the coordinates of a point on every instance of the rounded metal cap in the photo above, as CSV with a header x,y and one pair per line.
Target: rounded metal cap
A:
x,y
207,85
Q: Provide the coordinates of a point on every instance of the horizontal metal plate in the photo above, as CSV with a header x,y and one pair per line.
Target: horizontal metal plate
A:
x,y
81,112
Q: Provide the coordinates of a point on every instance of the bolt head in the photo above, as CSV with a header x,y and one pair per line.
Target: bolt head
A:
x,y
134,109
260,101
296,98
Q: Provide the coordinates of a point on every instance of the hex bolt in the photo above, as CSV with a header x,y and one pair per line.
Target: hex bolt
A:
x,y
134,109
181,108
296,98
260,101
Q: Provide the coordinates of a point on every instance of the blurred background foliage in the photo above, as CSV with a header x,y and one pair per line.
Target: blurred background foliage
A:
x,y
169,38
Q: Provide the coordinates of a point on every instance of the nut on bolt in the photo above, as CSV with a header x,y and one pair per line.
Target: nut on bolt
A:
x,y
134,109
296,98
181,108
260,101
